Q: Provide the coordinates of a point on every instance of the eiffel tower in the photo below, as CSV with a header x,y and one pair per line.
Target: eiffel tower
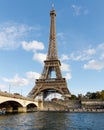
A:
x,y
47,84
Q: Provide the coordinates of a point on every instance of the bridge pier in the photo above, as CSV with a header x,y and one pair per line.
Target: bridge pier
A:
x,y
22,109
40,105
9,109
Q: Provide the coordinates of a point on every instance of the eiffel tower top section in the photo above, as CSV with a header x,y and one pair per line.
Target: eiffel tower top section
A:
x,y
52,50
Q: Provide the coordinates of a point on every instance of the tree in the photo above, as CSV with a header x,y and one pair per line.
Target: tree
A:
x,y
95,95
73,97
102,94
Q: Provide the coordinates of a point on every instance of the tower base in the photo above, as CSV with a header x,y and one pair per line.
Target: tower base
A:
x,y
46,86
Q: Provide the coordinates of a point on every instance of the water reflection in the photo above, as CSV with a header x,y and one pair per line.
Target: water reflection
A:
x,y
52,121
34,121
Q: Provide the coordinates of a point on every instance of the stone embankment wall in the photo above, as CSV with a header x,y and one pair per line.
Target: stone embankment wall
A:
x,y
94,104
73,105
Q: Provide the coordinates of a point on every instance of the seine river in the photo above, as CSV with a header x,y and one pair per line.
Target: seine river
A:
x,y
52,121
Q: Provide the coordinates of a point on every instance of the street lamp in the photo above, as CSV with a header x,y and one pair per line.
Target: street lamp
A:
x,y
9,88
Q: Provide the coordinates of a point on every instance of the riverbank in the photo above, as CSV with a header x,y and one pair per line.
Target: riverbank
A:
x,y
75,110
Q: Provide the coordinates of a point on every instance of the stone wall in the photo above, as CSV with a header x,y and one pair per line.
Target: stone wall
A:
x,y
95,104
74,104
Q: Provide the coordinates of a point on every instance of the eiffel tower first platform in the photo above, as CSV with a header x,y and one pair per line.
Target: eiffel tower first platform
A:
x,y
46,84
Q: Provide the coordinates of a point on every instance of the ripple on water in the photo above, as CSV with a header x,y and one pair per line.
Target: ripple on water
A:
x,y
52,121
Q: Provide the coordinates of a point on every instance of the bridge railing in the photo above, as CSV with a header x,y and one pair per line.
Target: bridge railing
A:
x,y
15,96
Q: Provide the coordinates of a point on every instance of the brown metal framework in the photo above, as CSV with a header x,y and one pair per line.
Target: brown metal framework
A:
x,y
46,83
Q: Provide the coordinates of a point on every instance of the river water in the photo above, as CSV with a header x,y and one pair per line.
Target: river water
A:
x,y
52,121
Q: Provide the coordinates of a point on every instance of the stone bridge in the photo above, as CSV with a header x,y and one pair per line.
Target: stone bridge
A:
x,y
18,103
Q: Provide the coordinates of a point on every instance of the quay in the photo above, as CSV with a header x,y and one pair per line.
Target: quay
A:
x,y
75,105
17,103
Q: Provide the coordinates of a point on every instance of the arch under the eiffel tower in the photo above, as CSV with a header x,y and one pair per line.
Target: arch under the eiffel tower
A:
x,y
47,84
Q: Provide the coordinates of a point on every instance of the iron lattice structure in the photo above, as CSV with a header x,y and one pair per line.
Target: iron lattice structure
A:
x,y
46,83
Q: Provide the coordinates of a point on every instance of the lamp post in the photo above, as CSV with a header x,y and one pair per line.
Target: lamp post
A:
x,y
21,92
9,88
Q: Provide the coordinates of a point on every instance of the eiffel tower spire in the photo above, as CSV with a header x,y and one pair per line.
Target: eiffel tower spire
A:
x,y
52,50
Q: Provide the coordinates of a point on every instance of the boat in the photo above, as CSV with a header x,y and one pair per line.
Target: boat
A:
x,y
2,111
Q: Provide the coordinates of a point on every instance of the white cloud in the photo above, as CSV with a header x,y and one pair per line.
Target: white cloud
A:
x,y
100,46
90,51
68,76
93,55
40,57
61,35
102,56
16,81
95,65
32,75
83,55
32,46
78,10
65,67
79,56
64,57
11,35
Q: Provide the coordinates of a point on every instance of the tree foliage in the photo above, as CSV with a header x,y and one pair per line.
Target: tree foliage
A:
x,y
89,95
95,95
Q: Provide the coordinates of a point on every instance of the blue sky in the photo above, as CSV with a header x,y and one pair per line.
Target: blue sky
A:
x,y
24,37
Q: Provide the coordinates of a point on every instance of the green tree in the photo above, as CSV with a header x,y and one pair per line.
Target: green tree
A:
x,y
95,95
102,94
73,97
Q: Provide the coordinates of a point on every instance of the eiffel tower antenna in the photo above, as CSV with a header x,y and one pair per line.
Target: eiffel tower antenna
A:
x,y
52,6
47,84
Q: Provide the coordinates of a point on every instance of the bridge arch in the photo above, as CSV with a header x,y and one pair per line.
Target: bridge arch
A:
x,y
31,107
11,106
11,101
29,103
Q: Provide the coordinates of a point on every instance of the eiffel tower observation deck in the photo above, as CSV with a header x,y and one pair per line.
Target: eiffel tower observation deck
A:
x,y
47,84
